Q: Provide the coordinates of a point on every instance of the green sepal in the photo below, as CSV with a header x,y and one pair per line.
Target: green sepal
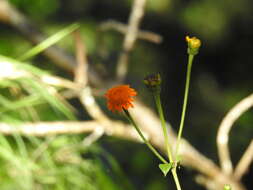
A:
x,y
165,168
193,51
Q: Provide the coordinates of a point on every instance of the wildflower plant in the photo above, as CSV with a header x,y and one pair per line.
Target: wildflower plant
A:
x,y
120,98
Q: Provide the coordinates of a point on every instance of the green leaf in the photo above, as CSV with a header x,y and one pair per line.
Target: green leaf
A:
x,y
48,42
165,168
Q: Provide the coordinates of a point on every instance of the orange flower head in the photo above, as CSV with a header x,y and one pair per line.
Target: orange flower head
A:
x,y
120,97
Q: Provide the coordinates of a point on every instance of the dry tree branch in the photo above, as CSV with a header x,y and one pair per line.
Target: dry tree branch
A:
x,y
81,71
85,95
122,28
117,129
150,125
10,71
59,82
130,37
224,129
244,163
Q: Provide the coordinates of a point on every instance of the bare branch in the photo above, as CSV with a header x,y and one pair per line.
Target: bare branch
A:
x,y
81,71
10,71
59,82
94,136
244,163
130,37
150,125
224,129
117,129
122,28
85,95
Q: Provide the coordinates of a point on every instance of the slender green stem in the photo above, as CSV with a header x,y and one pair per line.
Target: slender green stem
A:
x,y
188,76
174,173
166,137
130,119
165,132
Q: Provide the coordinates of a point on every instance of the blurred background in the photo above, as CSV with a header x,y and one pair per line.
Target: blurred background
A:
x,y
221,77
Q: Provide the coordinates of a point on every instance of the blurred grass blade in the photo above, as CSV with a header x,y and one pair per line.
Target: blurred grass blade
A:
x,y
25,75
50,98
7,105
12,67
4,142
48,42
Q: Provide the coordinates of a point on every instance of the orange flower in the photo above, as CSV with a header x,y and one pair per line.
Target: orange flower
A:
x,y
120,97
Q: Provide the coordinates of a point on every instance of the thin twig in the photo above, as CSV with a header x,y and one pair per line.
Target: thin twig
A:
x,y
117,129
130,37
224,129
59,82
91,106
94,136
244,163
81,71
10,71
150,125
122,28
86,96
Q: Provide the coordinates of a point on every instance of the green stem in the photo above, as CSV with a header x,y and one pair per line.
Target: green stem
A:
x,y
166,137
188,76
165,132
174,173
130,119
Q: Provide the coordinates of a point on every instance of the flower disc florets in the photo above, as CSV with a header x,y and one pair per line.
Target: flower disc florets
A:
x,y
120,97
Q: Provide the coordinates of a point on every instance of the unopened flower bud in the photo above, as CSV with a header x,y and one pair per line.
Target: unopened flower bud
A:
x,y
153,82
193,45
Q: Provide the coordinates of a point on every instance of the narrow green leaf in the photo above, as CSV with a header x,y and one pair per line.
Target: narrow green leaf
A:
x,y
165,168
48,42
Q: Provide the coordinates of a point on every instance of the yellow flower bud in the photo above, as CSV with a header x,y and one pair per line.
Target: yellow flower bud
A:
x,y
193,45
